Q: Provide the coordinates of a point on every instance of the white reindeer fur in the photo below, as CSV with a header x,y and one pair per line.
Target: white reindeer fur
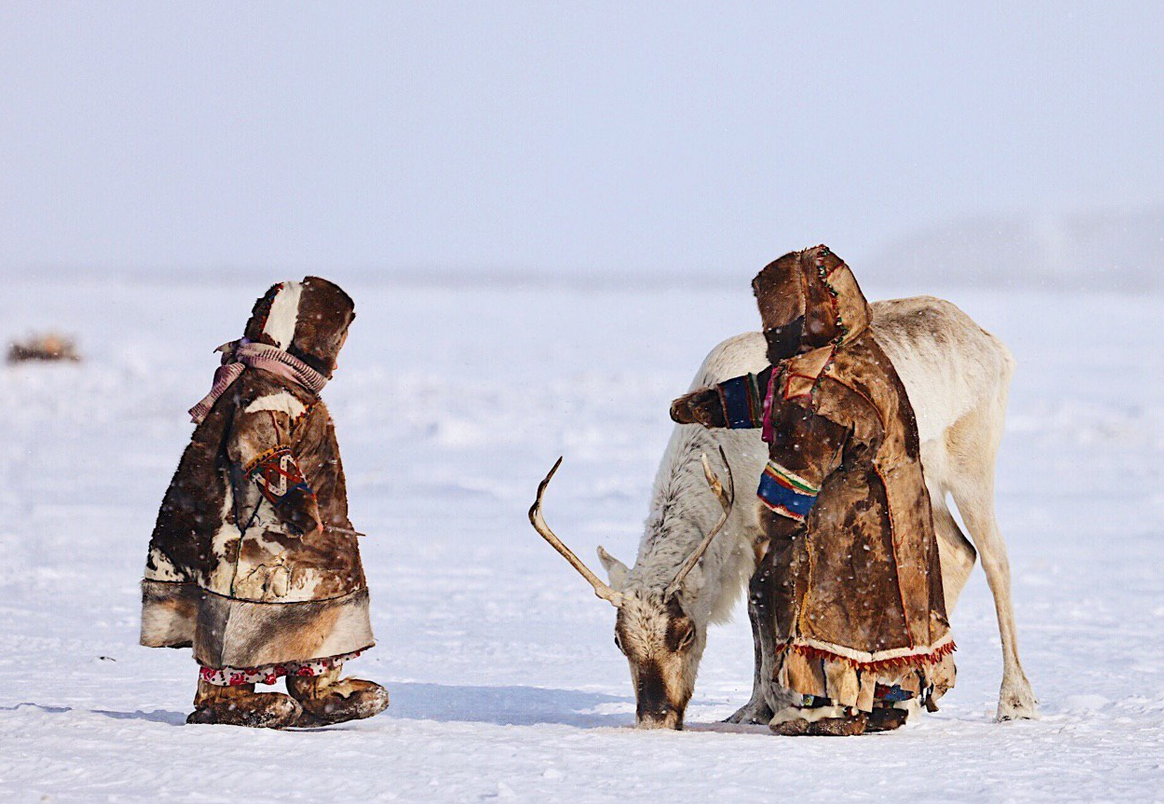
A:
x,y
957,378
284,314
281,402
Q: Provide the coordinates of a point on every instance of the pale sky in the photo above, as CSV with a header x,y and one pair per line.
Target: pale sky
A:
x,y
556,136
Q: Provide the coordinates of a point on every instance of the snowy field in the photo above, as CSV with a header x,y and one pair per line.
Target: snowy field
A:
x,y
451,403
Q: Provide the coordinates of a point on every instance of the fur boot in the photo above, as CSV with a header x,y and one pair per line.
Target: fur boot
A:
x,y
242,706
819,720
848,726
326,699
886,718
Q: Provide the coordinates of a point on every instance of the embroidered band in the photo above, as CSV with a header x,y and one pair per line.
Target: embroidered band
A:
x,y
743,402
277,475
786,493
269,674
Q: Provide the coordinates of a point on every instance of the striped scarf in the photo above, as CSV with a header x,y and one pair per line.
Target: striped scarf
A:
x,y
241,354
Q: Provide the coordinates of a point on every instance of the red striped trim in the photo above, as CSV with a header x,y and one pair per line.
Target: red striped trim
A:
x,y
785,483
780,509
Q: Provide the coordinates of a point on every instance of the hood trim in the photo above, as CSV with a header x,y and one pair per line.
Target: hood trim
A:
x,y
850,308
284,316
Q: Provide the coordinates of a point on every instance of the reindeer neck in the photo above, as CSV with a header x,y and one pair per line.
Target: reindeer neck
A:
x,y
681,515
683,512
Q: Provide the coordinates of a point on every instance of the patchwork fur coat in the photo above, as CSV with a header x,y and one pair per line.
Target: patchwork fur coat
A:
x,y
849,592
253,560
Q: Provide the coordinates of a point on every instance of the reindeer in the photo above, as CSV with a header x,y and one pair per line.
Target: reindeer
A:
x,y
957,377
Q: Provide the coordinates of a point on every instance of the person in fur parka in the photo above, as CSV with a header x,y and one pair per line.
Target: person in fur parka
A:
x,y
848,596
253,561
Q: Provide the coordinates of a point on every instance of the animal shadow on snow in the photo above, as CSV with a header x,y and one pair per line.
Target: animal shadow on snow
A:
x,y
157,716
509,706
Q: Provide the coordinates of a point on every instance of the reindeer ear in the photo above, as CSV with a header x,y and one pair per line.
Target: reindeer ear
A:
x,y
615,569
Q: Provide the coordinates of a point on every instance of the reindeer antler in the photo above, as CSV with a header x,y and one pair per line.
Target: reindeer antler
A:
x,y
726,500
536,519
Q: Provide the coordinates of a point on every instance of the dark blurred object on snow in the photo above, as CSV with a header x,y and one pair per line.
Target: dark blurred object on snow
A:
x,y
46,346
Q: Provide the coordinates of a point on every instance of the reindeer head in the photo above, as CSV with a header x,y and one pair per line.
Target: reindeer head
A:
x,y
663,648
660,641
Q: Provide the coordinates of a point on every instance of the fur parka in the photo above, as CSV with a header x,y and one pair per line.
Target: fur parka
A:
x,y
850,588
253,560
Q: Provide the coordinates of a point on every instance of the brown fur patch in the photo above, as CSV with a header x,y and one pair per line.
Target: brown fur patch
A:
x,y
169,613
651,691
325,313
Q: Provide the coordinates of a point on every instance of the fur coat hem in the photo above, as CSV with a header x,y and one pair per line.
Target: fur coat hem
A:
x,y
238,633
850,678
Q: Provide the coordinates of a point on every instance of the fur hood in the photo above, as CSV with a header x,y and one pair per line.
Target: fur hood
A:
x,y
307,319
809,300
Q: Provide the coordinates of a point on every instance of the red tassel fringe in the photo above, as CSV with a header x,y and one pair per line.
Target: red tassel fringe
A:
x,y
883,664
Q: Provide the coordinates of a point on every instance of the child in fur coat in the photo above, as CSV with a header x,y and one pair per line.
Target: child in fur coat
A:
x,y
253,561
848,597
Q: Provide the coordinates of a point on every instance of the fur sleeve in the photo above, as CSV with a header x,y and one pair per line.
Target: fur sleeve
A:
x,y
806,448
742,400
737,403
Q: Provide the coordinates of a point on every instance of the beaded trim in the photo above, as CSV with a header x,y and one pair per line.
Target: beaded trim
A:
x,y
263,456
269,674
823,251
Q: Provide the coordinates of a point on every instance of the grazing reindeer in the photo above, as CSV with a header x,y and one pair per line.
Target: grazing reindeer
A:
x,y
957,377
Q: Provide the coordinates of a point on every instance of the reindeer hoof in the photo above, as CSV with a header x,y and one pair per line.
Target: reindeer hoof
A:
x,y
1017,705
1028,712
751,714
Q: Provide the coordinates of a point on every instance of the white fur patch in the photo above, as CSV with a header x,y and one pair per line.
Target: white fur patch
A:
x,y
791,713
284,314
282,402
223,575
163,569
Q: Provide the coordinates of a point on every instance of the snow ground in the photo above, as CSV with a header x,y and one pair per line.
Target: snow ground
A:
x,y
451,404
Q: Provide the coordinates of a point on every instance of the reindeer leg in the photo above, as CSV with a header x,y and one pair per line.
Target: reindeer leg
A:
x,y
956,553
1016,700
973,444
756,710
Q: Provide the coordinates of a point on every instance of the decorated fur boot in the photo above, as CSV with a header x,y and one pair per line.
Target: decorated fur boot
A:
x,y
242,706
895,705
327,699
819,717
